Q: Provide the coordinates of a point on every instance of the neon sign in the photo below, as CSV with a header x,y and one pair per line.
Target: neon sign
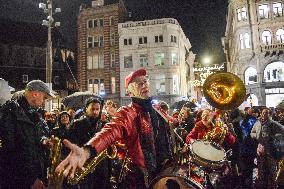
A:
x,y
204,73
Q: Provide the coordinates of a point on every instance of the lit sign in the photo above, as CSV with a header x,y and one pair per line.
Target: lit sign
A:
x,y
204,72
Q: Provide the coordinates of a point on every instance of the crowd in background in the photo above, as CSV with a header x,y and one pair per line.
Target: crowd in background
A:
x,y
251,134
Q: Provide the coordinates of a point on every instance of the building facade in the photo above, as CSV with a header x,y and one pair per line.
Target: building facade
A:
x,y
98,54
161,47
254,45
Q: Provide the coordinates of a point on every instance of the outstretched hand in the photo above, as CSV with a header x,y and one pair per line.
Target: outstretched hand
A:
x,y
75,160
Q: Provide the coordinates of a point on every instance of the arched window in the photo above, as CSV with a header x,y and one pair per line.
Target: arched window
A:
x,y
280,36
274,72
250,76
266,37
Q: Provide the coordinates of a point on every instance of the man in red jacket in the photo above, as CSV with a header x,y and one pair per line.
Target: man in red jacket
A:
x,y
137,125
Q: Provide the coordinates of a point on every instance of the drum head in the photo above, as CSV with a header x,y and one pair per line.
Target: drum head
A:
x,y
208,151
174,182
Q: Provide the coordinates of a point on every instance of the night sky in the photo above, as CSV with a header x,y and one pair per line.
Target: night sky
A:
x,y
203,21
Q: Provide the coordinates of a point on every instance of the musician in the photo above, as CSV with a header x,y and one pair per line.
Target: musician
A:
x,y
204,129
135,124
23,132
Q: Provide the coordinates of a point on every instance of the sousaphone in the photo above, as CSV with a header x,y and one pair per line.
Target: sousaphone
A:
x,y
224,90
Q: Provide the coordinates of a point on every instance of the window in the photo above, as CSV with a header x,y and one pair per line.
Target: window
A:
x,y
244,41
96,41
280,36
266,37
112,59
90,23
101,22
56,80
263,11
277,9
142,40
242,13
128,62
173,39
111,21
95,62
101,60
159,39
112,39
90,42
160,84
101,41
95,23
250,76
127,41
175,84
25,78
159,59
143,59
96,86
274,72
174,58
247,40
113,85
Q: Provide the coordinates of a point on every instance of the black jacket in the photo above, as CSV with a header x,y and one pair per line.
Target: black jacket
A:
x,y
23,158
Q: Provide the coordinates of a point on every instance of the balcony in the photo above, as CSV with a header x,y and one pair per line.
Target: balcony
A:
x,y
272,47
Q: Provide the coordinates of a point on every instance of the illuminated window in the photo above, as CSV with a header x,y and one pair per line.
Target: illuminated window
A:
x,y
174,58
112,39
96,86
160,84
111,21
242,13
250,76
113,85
280,36
159,59
266,37
277,9
175,84
143,59
263,11
128,63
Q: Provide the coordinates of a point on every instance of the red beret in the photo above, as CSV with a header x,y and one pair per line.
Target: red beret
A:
x,y
133,75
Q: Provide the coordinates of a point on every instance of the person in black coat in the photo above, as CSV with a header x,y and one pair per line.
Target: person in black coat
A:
x,y
81,131
23,133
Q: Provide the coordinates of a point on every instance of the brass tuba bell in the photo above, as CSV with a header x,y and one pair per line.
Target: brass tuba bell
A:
x,y
224,90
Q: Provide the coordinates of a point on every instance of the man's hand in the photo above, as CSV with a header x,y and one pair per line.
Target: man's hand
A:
x,y
75,160
38,184
260,150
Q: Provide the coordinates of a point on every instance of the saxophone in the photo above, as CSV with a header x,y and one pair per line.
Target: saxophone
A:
x,y
280,168
90,166
54,179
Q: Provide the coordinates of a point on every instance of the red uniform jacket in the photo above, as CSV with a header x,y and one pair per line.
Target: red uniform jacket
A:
x,y
125,126
200,130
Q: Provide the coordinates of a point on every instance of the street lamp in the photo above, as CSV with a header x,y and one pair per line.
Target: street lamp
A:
x,y
47,8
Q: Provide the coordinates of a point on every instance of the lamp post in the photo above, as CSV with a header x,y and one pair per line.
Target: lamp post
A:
x,y
48,9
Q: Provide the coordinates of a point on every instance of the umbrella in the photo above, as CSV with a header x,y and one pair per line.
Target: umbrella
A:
x,y
178,105
77,99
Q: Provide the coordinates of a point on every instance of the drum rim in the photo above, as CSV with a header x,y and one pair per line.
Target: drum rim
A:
x,y
175,175
206,160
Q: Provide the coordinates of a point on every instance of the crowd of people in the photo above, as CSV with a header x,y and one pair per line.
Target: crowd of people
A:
x,y
148,138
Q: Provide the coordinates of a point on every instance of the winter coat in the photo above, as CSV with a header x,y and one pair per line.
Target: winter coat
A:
x,y
23,158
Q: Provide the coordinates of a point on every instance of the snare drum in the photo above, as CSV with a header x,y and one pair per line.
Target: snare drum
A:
x,y
175,176
207,154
